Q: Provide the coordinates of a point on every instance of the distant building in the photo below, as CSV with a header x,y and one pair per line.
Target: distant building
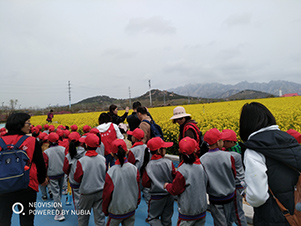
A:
x,y
290,95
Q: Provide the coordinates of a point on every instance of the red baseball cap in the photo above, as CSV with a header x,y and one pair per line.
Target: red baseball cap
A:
x,y
228,134
42,136
2,129
53,137
137,133
157,143
74,136
35,129
118,142
51,128
86,128
94,130
91,140
295,134
46,126
61,127
212,136
74,127
188,145
66,133
60,132
39,127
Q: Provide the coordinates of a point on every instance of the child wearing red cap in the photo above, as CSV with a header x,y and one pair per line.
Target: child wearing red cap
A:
x,y
136,156
158,171
136,153
54,161
220,168
90,174
121,195
76,151
73,128
190,179
232,146
86,129
46,127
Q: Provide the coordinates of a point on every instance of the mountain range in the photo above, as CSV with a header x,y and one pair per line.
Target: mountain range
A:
x,y
221,91
194,93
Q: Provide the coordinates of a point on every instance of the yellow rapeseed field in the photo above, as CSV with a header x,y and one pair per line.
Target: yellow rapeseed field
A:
x,y
222,115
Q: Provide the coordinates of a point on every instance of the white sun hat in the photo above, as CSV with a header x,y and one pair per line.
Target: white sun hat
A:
x,y
179,112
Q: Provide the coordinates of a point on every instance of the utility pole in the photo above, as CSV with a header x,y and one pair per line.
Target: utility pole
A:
x,y
130,96
164,97
69,89
150,93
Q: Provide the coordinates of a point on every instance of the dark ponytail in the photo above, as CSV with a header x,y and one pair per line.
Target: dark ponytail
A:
x,y
189,159
98,134
121,155
72,148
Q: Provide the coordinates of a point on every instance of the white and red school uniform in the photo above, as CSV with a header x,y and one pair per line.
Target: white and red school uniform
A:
x,y
90,173
190,186
136,154
69,169
121,195
54,161
221,171
157,172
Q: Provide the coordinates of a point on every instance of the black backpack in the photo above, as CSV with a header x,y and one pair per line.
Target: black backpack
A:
x,y
14,167
156,130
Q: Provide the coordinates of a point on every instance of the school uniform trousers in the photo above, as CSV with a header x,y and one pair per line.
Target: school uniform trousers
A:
x,y
54,161
119,203
90,174
136,157
220,168
190,186
69,169
160,207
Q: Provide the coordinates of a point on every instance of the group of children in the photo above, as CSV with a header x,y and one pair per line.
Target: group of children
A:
x,y
115,191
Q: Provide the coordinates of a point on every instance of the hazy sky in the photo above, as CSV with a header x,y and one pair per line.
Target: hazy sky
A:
x,y
103,47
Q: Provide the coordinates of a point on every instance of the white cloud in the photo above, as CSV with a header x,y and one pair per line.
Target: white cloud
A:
x,y
155,25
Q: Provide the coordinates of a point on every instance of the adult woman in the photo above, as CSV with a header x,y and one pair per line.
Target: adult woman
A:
x,y
268,159
188,127
18,124
113,112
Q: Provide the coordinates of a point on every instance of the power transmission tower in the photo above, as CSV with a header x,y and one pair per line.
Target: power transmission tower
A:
x,y
69,90
150,93
130,96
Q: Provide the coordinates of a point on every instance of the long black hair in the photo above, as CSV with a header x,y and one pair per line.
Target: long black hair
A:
x,y
15,122
112,108
189,159
73,144
254,116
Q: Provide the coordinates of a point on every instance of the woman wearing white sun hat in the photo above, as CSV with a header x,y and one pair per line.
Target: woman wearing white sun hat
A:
x,y
188,127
